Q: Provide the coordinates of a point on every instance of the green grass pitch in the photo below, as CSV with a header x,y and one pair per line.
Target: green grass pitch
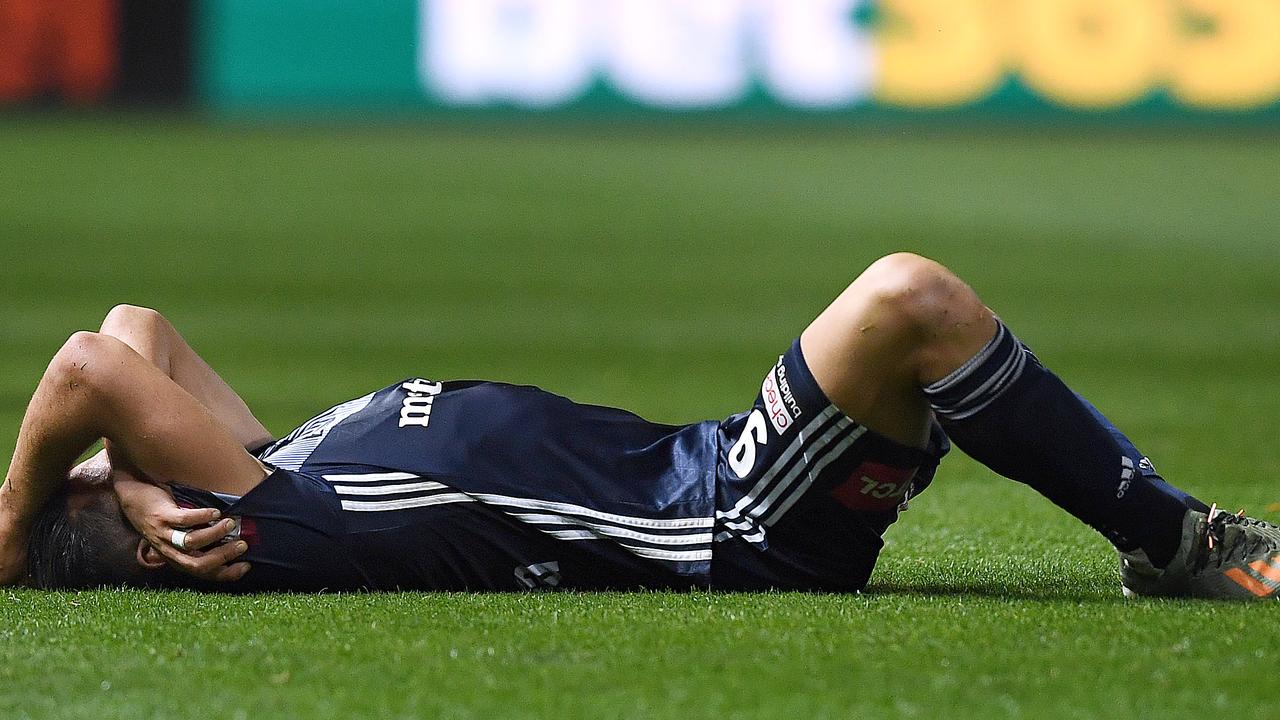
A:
x,y
661,269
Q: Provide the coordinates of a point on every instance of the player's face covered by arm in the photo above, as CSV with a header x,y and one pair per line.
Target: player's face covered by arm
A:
x,y
97,387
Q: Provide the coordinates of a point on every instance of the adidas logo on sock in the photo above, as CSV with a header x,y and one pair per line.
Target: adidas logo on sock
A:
x,y
1127,472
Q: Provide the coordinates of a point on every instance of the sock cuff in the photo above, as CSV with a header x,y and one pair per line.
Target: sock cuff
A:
x,y
982,379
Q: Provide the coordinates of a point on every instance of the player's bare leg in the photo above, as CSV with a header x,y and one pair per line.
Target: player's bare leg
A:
x,y
908,341
905,322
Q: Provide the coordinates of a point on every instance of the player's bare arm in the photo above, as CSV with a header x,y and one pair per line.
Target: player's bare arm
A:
x,y
152,510
99,387
152,336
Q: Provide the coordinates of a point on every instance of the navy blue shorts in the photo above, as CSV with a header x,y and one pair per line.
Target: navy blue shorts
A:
x,y
804,493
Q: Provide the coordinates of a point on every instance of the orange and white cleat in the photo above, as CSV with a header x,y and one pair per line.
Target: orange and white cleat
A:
x,y
1222,556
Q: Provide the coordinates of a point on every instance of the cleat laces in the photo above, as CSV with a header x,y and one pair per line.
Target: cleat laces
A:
x,y
1229,538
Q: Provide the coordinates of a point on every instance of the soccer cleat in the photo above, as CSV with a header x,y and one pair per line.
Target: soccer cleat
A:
x,y
1222,556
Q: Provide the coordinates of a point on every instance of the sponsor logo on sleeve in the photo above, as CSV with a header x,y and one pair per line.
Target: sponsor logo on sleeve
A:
x,y
779,402
774,406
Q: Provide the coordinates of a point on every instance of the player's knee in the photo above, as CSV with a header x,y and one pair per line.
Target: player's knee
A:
x,y
916,292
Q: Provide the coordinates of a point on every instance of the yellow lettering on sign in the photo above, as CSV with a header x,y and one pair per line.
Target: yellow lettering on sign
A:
x,y
1094,53
1234,62
936,53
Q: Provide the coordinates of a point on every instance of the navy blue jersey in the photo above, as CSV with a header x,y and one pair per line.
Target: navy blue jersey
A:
x,y
481,485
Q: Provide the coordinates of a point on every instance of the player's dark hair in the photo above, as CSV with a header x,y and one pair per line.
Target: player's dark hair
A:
x,y
89,548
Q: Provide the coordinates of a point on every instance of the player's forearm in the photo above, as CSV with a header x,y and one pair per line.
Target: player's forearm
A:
x,y
57,427
144,330
154,338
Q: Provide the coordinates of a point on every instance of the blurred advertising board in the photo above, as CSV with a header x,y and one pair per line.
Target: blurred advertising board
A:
x,y
89,52
1109,58
58,50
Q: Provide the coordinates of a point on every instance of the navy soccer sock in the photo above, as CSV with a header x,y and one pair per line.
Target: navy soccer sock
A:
x,y
1006,410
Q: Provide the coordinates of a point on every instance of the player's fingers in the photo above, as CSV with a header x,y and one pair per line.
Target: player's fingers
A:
x,y
231,573
176,557
210,560
182,560
204,537
204,564
179,517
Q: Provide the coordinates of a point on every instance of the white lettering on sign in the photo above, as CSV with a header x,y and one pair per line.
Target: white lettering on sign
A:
x,y
530,52
675,53
814,55
665,53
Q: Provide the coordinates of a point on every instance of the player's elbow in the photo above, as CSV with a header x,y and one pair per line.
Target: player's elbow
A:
x,y
86,362
133,318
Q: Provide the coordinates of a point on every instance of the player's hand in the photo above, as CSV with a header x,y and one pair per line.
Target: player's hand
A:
x,y
152,511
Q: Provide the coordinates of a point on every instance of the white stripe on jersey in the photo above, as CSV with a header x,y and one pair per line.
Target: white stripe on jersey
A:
x,y
644,552
670,555
820,453
559,507
387,489
811,474
814,450
601,526
803,437
572,534
613,531
816,458
370,477
405,503
294,450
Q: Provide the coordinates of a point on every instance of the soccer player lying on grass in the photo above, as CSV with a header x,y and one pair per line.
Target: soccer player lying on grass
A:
x,y
476,485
